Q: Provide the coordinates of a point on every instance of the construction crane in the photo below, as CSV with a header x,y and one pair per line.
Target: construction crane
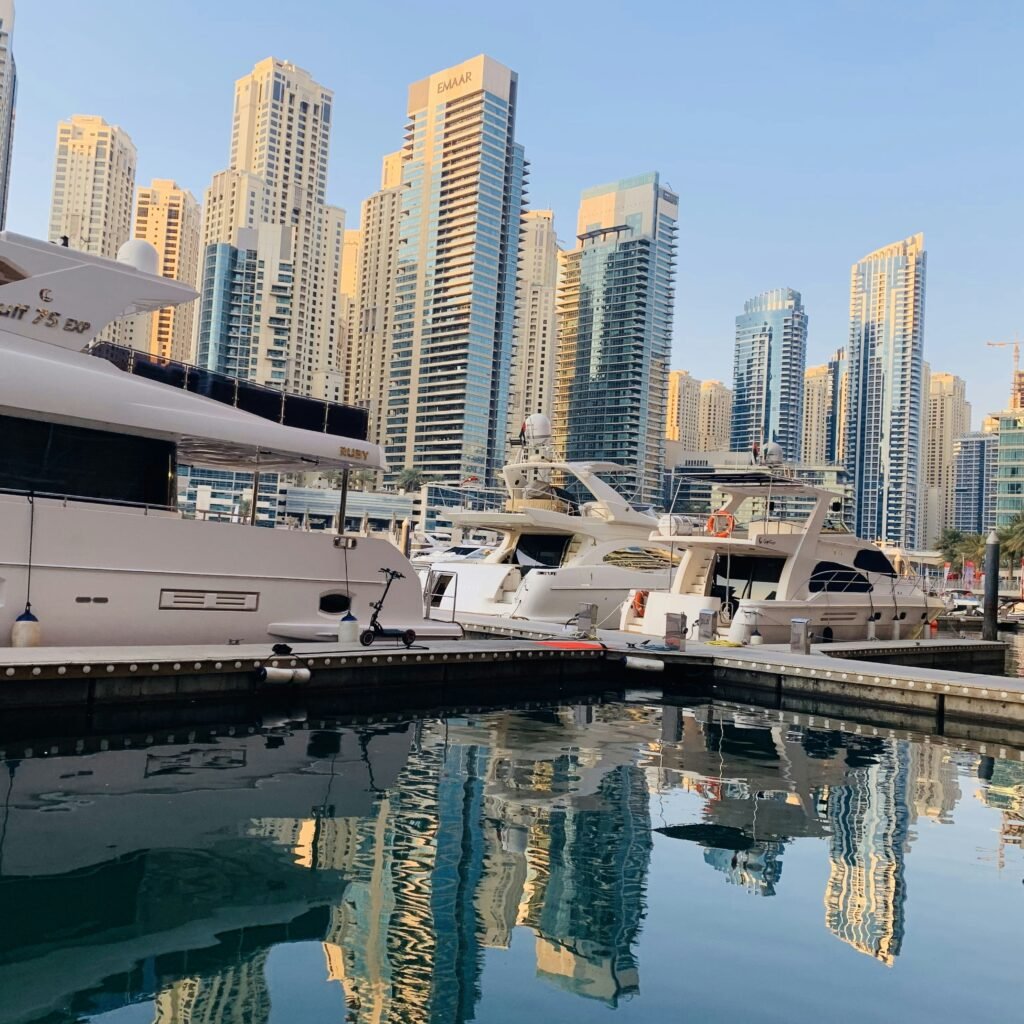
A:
x,y
1016,389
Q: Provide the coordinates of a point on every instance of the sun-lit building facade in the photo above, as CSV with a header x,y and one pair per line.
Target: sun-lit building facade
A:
x,y
276,185
714,416
768,372
948,419
532,377
683,409
615,304
93,186
886,397
167,216
453,311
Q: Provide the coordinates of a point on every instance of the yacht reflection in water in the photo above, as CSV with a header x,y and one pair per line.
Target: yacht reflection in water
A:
x,y
169,872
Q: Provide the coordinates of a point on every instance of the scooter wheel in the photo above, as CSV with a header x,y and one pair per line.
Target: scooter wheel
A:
x,y
366,637
409,637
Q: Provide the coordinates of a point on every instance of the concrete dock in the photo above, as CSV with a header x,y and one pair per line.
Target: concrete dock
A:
x,y
895,675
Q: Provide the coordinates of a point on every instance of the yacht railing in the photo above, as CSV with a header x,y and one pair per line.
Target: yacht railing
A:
x,y
268,403
146,506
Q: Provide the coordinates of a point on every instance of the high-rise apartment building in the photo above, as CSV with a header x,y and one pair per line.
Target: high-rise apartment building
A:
x,y
453,310
8,98
532,377
714,417
93,185
825,391
615,300
348,297
683,412
817,402
768,372
276,187
949,418
974,488
1010,467
368,365
885,406
167,216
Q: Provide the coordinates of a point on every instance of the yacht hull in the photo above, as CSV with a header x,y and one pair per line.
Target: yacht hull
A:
x,y
542,595
101,575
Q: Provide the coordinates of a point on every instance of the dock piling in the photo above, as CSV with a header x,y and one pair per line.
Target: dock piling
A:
x,y
990,623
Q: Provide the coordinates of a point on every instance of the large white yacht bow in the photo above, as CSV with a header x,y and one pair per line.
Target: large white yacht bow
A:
x,y
91,542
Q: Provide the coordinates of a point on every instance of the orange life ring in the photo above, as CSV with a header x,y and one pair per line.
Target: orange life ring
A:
x,y
721,523
640,603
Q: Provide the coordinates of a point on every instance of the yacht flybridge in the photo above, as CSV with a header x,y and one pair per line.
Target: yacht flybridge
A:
x,y
789,561
566,538
90,538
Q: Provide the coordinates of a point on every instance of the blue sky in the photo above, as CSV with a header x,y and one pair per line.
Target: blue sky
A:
x,y
799,135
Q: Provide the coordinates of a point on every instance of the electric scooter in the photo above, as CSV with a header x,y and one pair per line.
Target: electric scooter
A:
x,y
375,629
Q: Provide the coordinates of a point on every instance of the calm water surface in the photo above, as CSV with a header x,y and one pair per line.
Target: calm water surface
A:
x,y
623,861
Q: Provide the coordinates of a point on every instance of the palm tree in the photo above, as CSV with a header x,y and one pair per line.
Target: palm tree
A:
x,y
949,542
410,479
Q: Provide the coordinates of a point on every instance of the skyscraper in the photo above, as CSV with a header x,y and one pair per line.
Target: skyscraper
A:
x,y
8,98
884,415
93,185
825,391
768,371
949,418
167,216
276,187
817,402
974,487
714,417
368,365
681,420
615,300
532,378
454,292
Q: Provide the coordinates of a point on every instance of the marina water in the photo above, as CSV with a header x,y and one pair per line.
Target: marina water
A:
x,y
625,860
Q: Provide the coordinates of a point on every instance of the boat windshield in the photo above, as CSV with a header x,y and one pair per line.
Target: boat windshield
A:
x,y
540,550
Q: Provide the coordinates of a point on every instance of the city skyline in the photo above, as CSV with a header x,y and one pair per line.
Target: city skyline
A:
x,y
968,304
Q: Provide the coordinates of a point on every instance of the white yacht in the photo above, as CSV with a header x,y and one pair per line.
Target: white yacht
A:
x,y
91,543
789,561
566,538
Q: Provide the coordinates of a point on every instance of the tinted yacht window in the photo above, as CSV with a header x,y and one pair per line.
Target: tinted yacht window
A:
x,y
872,560
52,458
837,578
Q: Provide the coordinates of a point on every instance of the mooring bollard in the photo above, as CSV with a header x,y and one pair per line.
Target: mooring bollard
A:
x,y
707,625
800,636
675,630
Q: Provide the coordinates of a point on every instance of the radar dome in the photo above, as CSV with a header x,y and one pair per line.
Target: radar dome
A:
x,y
538,428
138,253
772,454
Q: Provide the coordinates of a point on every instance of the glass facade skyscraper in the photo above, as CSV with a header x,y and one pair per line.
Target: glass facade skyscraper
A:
x,y
615,331
768,373
453,310
974,487
885,404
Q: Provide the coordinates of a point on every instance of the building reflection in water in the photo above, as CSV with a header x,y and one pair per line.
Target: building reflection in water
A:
x,y
420,846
